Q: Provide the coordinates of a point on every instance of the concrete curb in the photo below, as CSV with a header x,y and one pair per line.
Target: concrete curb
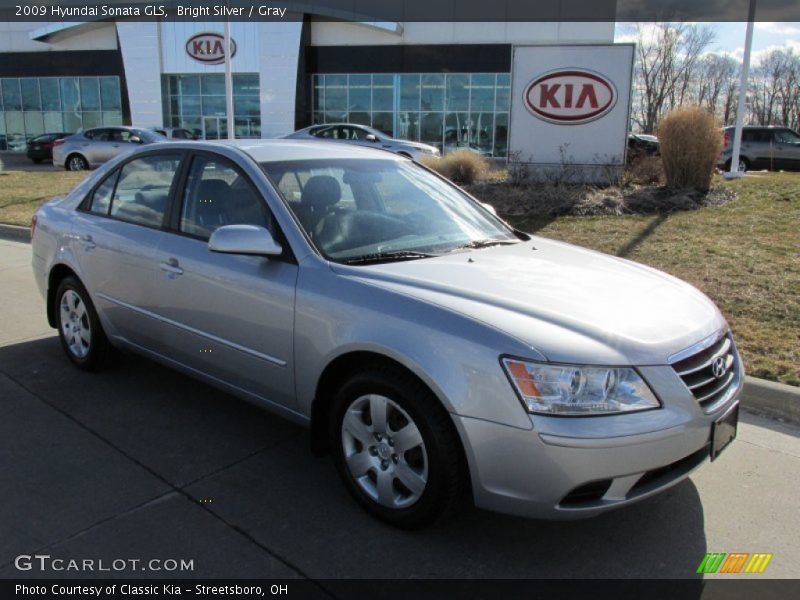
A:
x,y
776,400
15,233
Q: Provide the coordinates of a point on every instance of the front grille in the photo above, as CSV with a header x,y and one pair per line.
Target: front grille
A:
x,y
710,373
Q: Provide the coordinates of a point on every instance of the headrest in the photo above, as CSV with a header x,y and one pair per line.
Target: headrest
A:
x,y
321,191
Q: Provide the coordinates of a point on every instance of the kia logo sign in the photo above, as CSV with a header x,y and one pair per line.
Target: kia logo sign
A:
x,y
209,48
570,96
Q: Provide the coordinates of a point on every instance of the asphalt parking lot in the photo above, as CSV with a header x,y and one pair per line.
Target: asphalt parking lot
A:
x,y
142,462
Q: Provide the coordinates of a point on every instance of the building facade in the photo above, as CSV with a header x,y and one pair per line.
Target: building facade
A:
x,y
446,84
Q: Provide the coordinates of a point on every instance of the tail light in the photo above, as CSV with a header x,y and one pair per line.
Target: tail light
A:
x,y
726,140
33,225
58,142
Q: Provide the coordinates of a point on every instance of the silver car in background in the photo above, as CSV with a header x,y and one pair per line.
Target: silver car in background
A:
x,y
362,135
93,147
429,347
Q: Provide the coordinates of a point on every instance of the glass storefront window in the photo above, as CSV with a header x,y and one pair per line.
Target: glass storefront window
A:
x,y
109,93
51,98
12,99
457,93
336,92
31,106
359,90
382,92
197,103
90,93
448,110
482,92
30,94
212,85
70,93
501,100
432,92
409,92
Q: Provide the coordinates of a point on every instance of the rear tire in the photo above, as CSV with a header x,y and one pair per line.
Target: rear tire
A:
x,y
396,449
76,162
744,165
82,337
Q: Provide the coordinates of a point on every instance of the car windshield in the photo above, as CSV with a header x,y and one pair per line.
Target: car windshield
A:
x,y
377,210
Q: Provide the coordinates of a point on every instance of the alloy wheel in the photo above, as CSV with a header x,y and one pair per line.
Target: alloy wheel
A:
x,y
384,451
75,325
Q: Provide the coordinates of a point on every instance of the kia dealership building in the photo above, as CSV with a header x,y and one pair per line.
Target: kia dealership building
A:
x,y
450,84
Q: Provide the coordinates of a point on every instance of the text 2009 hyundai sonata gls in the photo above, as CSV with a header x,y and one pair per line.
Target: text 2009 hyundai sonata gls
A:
x,y
429,347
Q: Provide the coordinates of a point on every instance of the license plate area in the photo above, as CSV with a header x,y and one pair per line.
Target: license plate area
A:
x,y
723,432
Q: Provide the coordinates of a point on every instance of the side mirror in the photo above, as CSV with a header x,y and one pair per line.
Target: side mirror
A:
x,y
135,139
370,138
244,239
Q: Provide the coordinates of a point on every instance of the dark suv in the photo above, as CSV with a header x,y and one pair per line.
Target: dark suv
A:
x,y
770,148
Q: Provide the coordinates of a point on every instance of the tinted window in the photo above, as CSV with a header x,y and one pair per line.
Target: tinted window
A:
x,y
786,136
182,134
101,198
218,194
143,189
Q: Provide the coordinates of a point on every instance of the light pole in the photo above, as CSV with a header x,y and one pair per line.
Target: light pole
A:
x,y
737,133
228,78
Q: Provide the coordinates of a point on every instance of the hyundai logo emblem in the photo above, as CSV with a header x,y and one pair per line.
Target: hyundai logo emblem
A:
x,y
718,367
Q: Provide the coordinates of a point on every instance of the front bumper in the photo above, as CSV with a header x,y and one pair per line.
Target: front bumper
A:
x,y
574,467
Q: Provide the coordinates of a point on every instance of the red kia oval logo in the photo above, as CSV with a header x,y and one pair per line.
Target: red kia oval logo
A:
x,y
209,48
570,96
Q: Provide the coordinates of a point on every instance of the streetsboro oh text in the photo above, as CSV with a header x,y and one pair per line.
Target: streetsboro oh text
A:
x,y
60,589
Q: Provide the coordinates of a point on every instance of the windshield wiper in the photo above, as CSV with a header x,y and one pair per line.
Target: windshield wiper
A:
x,y
380,257
476,244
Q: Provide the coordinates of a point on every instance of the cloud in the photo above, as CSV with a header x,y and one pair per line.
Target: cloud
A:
x,y
778,28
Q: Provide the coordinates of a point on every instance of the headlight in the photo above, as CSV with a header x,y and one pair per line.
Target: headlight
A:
x,y
578,390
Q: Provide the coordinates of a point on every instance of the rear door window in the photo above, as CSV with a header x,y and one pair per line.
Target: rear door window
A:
x,y
100,201
142,192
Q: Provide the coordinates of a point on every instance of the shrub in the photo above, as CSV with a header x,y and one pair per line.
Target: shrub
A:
x,y
462,167
643,170
690,146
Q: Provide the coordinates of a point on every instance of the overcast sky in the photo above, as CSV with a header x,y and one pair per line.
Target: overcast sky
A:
x,y
730,37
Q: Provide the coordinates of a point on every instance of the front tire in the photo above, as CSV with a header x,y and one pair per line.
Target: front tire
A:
x,y
76,162
396,449
79,329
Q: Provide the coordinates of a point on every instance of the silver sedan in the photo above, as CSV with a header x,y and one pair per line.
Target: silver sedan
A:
x,y
93,147
433,350
349,133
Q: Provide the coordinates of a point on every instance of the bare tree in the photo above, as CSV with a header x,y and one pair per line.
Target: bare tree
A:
x,y
773,95
666,62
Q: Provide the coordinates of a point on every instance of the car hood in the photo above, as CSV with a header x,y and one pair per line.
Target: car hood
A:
x,y
567,303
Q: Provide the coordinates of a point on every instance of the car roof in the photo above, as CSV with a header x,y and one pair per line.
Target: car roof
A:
x,y
282,149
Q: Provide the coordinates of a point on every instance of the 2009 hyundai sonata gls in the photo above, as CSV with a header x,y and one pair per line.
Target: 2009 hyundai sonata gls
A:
x,y
429,347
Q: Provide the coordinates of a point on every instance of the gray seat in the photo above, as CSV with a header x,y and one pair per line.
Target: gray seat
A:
x,y
320,194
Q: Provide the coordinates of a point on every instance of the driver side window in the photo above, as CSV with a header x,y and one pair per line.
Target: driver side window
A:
x,y
218,194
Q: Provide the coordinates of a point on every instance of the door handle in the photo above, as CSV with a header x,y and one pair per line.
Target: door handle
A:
x,y
171,267
88,242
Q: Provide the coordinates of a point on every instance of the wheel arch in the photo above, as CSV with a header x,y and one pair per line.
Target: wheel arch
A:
x,y
336,373
76,153
57,273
